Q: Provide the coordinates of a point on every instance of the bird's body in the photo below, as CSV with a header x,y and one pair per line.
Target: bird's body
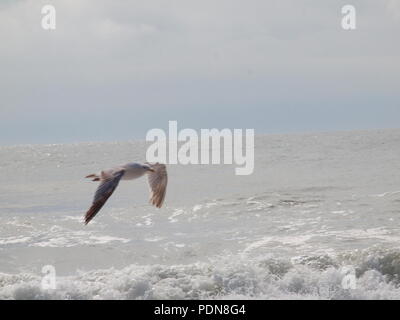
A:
x,y
110,178
133,171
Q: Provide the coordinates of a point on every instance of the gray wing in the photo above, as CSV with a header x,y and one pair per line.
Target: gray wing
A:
x,y
106,188
158,184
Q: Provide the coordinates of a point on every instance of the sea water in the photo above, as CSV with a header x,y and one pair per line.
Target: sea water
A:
x,y
316,206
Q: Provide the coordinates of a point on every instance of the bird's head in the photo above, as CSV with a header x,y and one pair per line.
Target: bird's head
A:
x,y
147,168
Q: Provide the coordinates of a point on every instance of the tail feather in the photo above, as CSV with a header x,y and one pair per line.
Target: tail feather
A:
x,y
94,176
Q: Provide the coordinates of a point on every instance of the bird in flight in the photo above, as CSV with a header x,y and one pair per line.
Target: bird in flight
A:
x,y
109,180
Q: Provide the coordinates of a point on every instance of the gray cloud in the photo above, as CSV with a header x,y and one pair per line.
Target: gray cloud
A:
x,y
271,65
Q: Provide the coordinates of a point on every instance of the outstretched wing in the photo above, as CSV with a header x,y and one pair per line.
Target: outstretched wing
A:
x,y
106,188
158,184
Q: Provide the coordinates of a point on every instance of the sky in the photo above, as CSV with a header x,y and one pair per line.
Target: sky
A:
x,y
114,69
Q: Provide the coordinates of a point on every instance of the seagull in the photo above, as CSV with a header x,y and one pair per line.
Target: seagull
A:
x,y
109,180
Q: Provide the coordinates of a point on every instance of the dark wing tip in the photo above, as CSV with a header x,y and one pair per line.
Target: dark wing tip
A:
x,y
97,205
104,191
92,212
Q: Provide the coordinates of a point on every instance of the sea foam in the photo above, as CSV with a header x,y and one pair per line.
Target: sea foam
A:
x,y
318,277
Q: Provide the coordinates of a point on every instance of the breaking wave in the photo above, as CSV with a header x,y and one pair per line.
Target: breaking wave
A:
x,y
376,274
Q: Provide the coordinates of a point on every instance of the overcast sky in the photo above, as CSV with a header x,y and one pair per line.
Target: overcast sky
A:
x,y
112,70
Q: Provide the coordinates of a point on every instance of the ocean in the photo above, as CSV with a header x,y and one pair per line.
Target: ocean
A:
x,y
318,219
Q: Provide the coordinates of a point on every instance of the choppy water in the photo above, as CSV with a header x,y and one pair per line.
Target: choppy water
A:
x,y
316,205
